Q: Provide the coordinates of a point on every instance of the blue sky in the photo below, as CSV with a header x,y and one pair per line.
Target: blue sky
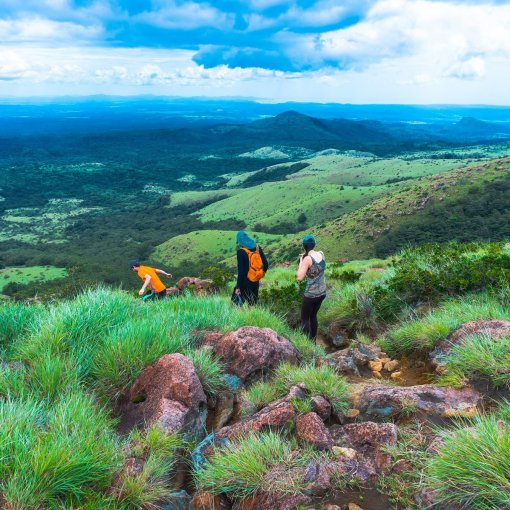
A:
x,y
365,51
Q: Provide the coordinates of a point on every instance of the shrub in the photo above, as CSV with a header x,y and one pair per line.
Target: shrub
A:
x,y
14,322
471,468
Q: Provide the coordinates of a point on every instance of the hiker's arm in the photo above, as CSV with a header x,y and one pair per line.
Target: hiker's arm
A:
x,y
264,260
164,273
141,292
304,265
242,267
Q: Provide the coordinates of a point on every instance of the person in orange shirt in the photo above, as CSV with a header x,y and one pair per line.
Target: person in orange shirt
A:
x,y
151,280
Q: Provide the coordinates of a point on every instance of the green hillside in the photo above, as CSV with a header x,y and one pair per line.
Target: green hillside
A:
x,y
464,205
203,248
328,187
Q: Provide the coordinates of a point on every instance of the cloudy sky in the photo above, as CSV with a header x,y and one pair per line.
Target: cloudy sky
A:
x,y
352,51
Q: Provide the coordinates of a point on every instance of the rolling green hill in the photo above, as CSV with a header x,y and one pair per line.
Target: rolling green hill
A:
x,y
464,205
323,188
203,248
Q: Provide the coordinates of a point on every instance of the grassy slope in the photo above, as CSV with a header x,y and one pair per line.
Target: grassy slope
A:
x,y
331,186
355,235
28,274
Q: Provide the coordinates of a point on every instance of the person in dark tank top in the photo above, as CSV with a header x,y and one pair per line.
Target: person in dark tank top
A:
x,y
312,266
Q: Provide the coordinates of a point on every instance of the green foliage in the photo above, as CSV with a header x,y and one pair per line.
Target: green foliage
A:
x,y
53,454
156,452
240,468
432,271
209,369
471,467
318,380
15,319
478,355
284,300
423,334
219,276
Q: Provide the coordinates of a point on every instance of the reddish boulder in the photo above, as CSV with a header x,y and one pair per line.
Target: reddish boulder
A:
x,y
322,407
310,429
169,393
368,439
495,329
207,501
250,351
198,285
275,415
380,402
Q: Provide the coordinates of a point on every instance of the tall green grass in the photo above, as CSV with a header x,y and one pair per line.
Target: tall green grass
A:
x,y
425,333
55,454
318,380
478,355
471,468
240,469
15,320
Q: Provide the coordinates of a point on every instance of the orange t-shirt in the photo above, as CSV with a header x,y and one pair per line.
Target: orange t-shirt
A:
x,y
155,284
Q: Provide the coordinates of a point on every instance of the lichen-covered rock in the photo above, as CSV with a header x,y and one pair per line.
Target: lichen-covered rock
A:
x,y
179,500
311,429
169,393
495,329
369,440
322,407
249,352
380,402
337,335
198,285
341,363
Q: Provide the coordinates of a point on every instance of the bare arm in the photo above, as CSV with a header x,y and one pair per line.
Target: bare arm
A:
x,y
141,292
304,265
164,273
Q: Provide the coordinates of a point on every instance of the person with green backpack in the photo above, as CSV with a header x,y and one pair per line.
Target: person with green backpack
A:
x,y
251,267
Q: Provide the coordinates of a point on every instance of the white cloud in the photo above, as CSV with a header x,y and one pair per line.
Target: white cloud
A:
x,y
470,69
30,30
186,16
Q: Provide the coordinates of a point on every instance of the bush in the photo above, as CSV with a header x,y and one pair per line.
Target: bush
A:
x,y
432,271
471,468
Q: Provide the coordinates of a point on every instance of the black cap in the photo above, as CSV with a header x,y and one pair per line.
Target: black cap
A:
x,y
133,263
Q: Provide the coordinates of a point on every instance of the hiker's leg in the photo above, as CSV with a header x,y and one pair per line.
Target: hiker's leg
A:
x,y
306,310
161,295
314,325
251,293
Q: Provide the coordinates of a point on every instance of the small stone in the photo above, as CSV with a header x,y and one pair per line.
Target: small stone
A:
x,y
353,506
375,366
322,407
333,507
384,360
390,366
468,412
382,354
377,375
310,429
349,453
401,466
352,413
396,375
